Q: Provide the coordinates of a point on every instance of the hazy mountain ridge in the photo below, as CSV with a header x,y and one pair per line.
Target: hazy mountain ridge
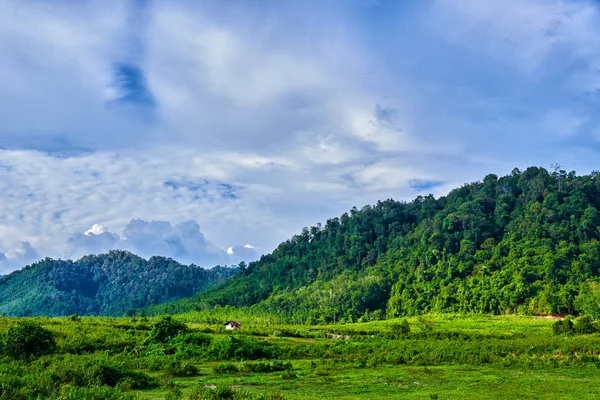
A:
x,y
105,284
527,242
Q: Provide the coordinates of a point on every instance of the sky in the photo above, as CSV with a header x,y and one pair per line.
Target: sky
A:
x,y
212,131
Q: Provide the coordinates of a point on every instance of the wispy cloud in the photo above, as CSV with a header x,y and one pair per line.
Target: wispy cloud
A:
x,y
257,118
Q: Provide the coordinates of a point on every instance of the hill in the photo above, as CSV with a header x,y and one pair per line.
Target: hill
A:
x,y
106,284
527,242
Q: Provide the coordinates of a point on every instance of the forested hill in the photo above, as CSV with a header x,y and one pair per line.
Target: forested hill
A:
x,y
106,284
527,242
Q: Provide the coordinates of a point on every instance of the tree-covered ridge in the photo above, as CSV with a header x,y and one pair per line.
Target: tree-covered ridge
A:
x,y
527,242
106,284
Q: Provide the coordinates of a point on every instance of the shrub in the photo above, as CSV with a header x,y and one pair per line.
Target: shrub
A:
x,y
289,374
238,348
92,371
178,368
27,340
74,318
398,330
424,324
226,393
585,324
190,345
225,368
174,394
165,330
563,327
95,393
263,366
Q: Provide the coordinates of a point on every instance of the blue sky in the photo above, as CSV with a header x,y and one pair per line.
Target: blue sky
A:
x,y
228,123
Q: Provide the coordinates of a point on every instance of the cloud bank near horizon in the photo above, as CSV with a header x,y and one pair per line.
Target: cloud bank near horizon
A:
x,y
183,242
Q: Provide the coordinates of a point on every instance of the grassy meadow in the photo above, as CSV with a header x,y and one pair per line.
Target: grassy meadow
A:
x,y
431,357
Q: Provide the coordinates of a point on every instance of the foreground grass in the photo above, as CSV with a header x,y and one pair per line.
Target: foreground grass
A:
x,y
442,382
443,356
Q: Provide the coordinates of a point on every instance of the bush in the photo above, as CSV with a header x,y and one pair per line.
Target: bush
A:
x,y
584,325
180,369
563,327
165,330
174,394
74,318
398,330
91,371
289,374
263,366
95,393
226,368
27,340
425,325
190,345
226,393
239,348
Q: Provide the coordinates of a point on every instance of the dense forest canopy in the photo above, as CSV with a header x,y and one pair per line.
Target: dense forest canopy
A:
x,y
528,242
106,284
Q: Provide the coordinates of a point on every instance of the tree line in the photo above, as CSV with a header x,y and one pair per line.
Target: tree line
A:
x,y
528,242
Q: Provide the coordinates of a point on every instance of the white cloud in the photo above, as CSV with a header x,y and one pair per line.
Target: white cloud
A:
x,y
17,257
268,119
183,242
96,230
235,200
243,253
93,241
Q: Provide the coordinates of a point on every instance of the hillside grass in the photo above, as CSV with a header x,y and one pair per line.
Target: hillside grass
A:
x,y
443,357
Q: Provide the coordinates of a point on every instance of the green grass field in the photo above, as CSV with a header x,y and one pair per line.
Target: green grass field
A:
x,y
441,357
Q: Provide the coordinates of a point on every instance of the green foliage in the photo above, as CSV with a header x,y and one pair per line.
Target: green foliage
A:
x,y
239,348
95,393
179,368
253,367
27,340
74,317
166,329
110,360
289,374
585,325
108,284
588,299
93,371
398,329
563,327
226,368
528,242
424,324
227,393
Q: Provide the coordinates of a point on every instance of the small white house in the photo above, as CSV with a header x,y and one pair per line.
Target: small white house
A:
x,y
232,325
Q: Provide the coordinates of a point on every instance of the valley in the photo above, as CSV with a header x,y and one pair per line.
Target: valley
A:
x,y
428,357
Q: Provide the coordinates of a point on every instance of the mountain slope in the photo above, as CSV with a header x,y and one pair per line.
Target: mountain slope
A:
x,y
528,242
106,284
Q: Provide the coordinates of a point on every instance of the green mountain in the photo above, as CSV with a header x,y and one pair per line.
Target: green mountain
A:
x,y
106,284
528,242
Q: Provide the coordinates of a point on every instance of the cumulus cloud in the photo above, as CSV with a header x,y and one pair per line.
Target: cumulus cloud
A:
x,y
18,257
243,253
95,240
183,242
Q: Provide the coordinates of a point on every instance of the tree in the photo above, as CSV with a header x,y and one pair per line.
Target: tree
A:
x,y
588,300
165,330
27,340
